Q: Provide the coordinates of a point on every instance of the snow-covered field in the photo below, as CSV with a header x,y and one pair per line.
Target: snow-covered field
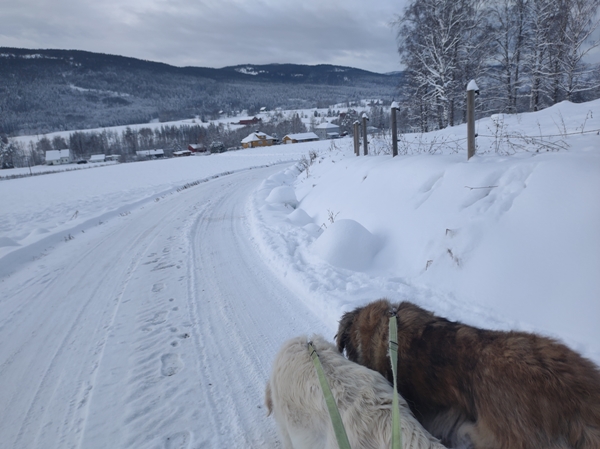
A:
x,y
228,122
137,314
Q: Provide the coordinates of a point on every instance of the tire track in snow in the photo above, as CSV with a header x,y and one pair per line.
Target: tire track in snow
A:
x,y
145,384
56,378
24,286
80,426
234,299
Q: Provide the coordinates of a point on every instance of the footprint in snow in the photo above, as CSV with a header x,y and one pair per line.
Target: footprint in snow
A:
x,y
179,440
159,317
162,266
158,287
171,364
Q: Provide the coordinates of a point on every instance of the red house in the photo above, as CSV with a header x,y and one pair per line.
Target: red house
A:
x,y
196,148
250,121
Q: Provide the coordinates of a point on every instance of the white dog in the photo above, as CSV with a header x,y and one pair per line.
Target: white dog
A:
x,y
363,396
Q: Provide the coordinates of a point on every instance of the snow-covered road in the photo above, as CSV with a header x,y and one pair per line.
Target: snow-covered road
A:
x,y
155,329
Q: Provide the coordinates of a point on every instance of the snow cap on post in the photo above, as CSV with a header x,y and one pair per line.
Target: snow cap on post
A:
x,y
365,116
395,105
472,86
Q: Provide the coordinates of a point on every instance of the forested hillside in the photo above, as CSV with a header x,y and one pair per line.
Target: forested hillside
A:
x,y
50,90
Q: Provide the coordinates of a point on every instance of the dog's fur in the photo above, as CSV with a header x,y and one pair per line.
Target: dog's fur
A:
x,y
488,389
363,396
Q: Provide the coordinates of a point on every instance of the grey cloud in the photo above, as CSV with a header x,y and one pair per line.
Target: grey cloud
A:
x,y
215,34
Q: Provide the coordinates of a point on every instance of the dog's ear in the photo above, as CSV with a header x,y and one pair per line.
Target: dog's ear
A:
x,y
268,399
343,336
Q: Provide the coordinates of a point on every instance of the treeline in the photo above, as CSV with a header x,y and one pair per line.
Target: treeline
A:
x,y
126,143
40,108
524,54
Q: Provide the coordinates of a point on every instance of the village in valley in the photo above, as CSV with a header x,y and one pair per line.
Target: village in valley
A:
x,y
308,125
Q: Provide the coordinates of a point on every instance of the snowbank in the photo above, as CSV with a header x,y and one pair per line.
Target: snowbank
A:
x,y
503,241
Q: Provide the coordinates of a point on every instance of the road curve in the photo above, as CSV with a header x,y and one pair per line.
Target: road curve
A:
x,y
154,330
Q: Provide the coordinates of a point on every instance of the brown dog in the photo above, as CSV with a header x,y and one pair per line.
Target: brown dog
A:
x,y
480,388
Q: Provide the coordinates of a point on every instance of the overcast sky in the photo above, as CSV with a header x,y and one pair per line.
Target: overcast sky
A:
x,y
212,33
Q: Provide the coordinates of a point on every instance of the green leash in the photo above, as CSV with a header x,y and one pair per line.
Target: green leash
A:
x,y
393,347
334,413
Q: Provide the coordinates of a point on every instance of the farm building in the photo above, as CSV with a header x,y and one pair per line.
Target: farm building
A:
x,y
257,139
299,138
182,153
151,154
197,148
98,158
57,157
327,131
249,121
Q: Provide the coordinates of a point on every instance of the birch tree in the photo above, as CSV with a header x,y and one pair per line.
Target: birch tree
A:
x,y
537,61
581,24
437,41
509,19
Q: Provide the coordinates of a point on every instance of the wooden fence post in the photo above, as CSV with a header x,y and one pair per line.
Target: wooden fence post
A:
x,y
394,129
364,124
356,138
472,89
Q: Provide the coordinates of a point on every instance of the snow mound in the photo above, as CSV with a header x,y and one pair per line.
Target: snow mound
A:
x,y
7,241
299,218
313,229
347,244
284,178
283,195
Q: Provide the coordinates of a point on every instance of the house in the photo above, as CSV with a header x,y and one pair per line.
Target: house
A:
x,y
300,138
57,157
112,157
182,153
197,148
257,139
327,131
98,158
151,154
250,121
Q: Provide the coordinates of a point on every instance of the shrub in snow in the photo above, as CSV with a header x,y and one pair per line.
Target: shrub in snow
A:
x,y
347,244
217,147
283,195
